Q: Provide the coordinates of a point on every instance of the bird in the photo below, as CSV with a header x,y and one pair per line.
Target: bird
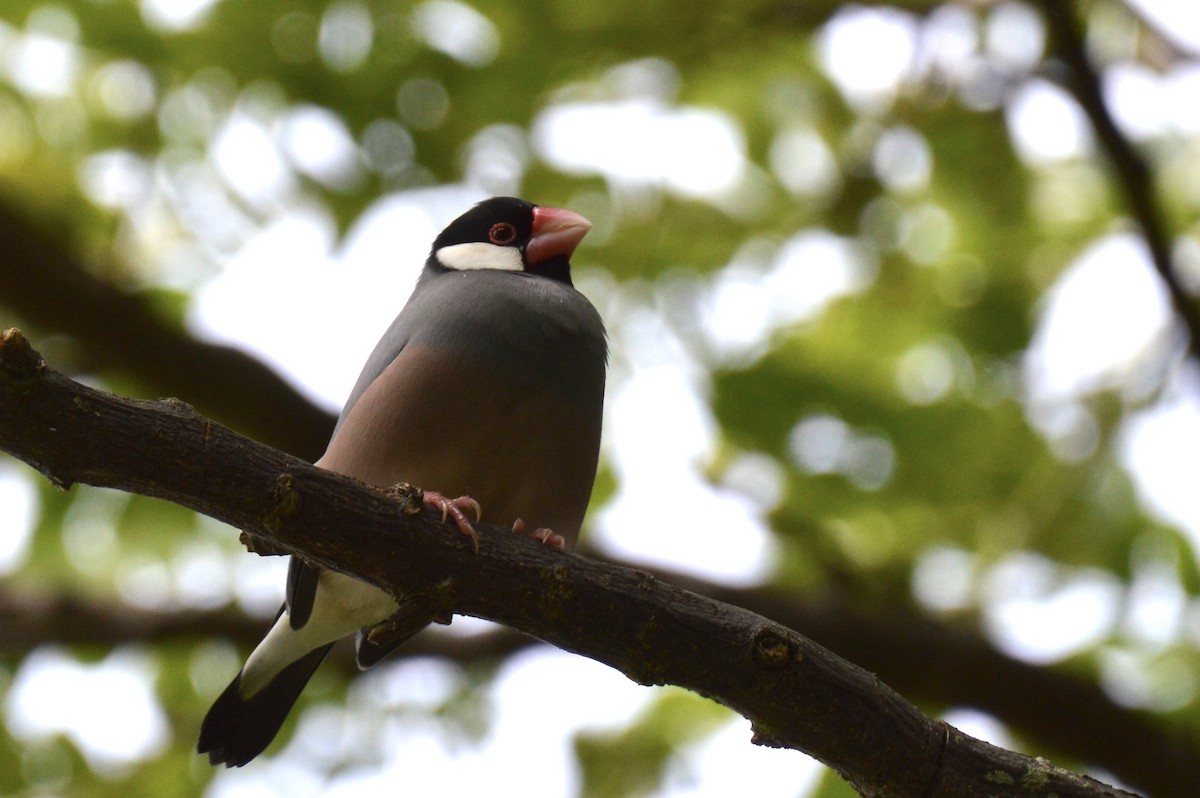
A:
x,y
489,387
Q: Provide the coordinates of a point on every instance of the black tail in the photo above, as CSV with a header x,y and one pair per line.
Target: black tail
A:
x,y
237,729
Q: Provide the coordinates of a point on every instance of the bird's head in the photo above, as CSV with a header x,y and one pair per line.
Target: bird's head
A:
x,y
510,234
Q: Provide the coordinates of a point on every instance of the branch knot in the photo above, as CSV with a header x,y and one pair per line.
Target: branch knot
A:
x,y
19,362
772,650
287,502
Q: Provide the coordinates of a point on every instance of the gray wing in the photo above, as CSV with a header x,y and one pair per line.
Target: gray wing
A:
x,y
389,346
301,590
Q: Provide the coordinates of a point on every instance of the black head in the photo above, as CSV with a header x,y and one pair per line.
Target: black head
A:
x,y
510,234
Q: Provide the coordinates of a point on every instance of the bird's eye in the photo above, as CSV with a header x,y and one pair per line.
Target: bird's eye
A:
x,y
502,233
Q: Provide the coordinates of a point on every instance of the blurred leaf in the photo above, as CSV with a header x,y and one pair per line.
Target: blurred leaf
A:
x,y
631,762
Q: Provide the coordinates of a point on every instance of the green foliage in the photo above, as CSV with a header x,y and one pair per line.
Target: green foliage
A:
x,y
957,268
630,762
833,787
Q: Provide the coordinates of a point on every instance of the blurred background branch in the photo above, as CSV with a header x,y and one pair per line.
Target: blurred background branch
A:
x,y
118,329
1129,168
936,664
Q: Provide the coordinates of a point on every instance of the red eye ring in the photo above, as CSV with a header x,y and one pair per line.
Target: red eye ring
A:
x,y
502,233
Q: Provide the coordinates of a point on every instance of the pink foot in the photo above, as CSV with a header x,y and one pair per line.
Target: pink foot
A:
x,y
454,508
547,536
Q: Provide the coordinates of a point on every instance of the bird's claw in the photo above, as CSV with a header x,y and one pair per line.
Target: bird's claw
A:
x,y
541,534
454,508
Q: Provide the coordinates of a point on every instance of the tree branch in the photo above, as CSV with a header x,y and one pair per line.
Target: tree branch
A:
x,y
1131,170
957,667
796,693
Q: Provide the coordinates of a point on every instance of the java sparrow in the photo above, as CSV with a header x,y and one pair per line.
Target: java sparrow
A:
x,y
488,385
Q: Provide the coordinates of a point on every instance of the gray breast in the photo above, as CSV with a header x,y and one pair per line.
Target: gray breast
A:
x,y
527,329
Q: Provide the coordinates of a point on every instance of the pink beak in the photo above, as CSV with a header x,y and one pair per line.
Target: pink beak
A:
x,y
555,232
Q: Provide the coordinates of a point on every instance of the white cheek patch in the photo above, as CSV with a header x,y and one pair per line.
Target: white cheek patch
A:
x,y
481,255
